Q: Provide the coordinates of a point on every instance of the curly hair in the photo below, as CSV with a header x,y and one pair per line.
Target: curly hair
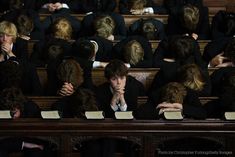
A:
x,y
62,29
70,71
173,92
133,52
190,17
10,74
83,100
104,26
12,98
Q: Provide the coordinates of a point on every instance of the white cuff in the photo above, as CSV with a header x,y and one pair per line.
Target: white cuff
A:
x,y
96,64
115,108
123,107
149,10
65,6
22,147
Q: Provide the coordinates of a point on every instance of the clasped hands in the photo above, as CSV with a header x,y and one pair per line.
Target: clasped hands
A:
x,y
165,106
54,6
118,96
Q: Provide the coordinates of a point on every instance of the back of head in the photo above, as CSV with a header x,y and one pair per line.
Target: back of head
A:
x,y
229,24
62,29
190,17
191,76
173,92
229,51
24,24
11,99
182,46
10,74
148,29
16,4
84,49
136,4
83,101
104,26
115,68
133,52
8,28
70,71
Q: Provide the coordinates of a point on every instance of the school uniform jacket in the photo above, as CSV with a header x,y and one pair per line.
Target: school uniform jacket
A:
x,y
133,89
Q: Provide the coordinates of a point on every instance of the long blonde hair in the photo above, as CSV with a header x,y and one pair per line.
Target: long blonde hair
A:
x,y
191,76
62,29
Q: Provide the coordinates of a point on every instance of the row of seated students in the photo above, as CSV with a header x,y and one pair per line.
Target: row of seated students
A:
x,y
86,6
183,75
119,93
135,51
186,18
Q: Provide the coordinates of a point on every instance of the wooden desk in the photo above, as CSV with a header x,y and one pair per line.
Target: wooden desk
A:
x,y
147,133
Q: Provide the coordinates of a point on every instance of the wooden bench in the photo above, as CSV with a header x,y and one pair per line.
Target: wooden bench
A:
x,y
144,75
129,19
154,45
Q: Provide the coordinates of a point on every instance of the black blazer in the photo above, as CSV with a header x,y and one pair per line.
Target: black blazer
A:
x,y
37,32
75,23
192,107
214,48
148,54
169,73
30,110
124,9
202,30
163,51
87,30
136,27
219,79
220,26
72,4
133,89
94,6
172,6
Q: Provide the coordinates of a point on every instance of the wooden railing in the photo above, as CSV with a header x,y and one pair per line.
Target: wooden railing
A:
x,y
148,134
144,75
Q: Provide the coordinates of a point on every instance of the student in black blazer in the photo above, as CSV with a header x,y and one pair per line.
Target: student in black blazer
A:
x,y
94,6
88,21
223,25
23,16
139,7
217,52
172,97
150,28
127,52
12,99
172,6
180,48
121,91
52,6
190,20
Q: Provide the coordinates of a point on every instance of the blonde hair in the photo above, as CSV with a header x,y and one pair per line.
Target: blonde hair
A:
x,y
191,17
133,52
8,28
104,26
191,77
62,29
